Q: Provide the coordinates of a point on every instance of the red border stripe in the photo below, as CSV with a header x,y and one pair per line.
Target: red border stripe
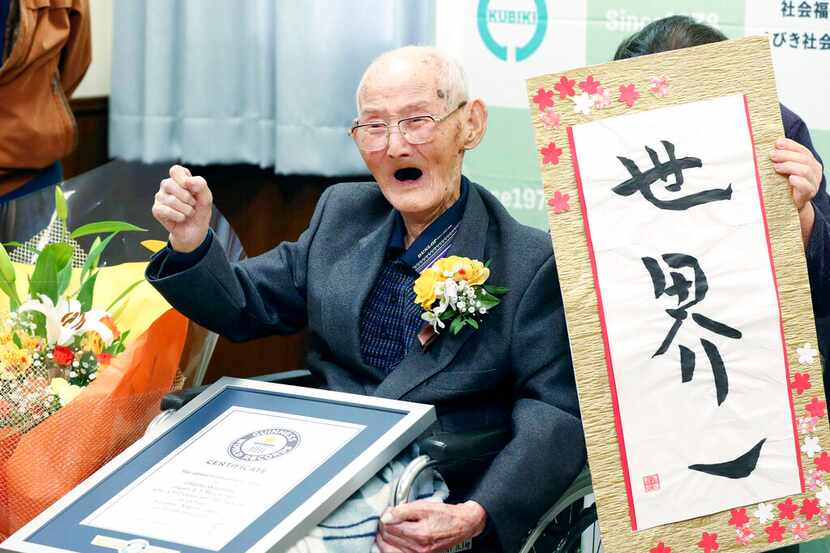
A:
x,y
609,364
777,294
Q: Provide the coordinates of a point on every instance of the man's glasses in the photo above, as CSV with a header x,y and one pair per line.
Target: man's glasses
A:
x,y
374,136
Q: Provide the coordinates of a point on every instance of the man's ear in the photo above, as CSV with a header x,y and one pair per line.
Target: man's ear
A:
x,y
475,123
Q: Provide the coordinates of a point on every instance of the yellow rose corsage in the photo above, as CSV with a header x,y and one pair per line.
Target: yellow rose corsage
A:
x,y
453,291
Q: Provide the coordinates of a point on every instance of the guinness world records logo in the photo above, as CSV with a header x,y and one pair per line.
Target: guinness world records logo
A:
x,y
264,445
487,15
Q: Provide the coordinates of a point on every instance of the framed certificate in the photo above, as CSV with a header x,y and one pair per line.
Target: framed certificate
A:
x,y
246,466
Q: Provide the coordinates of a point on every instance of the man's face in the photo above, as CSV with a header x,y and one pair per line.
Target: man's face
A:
x,y
419,180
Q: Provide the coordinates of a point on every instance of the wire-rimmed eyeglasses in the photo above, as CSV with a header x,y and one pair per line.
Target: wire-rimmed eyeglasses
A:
x,y
420,129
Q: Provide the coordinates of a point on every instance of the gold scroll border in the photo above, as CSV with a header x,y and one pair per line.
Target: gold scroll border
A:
x,y
742,66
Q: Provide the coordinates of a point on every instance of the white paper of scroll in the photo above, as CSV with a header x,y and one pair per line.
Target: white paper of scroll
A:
x,y
669,425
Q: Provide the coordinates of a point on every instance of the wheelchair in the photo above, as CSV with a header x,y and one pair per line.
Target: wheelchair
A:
x,y
569,525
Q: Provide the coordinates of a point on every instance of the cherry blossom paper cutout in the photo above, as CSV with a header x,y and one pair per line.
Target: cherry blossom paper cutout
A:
x,y
823,496
565,87
814,480
744,535
589,85
583,103
809,509
764,513
816,407
659,86
739,518
775,532
801,382
551,119
708,542
660,548
602,99
559,202
543,99
822,462
806,354
787,509
800,531
807,425
629,95
551,154
811,446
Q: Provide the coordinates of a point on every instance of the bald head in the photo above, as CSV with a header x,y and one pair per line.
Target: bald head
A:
x,y
447,75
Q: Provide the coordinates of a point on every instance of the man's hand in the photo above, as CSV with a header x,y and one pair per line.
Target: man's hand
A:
x,y
804,172
427,527
183,206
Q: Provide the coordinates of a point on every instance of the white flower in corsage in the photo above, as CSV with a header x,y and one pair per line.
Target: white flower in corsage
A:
x,y
453,292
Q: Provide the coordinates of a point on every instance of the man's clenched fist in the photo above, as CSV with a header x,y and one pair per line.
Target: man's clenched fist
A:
x,y
183,206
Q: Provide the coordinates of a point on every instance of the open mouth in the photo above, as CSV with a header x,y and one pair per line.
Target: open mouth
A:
x,y
408,174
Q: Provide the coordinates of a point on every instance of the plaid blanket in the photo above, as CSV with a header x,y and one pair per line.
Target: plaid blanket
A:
x,y
351,528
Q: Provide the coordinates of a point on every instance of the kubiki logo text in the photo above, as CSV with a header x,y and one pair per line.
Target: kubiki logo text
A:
x,y
512,30
263,445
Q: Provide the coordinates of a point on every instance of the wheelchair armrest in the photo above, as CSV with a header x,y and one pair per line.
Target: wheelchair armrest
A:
x,y
177,400
458,447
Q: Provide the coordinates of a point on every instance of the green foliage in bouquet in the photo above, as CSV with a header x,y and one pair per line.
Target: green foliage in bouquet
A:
x,y
52,344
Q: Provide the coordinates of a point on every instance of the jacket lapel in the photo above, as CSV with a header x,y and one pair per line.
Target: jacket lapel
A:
x,y
417,366
352,278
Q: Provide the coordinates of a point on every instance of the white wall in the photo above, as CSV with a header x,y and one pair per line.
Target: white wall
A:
x,y
98,78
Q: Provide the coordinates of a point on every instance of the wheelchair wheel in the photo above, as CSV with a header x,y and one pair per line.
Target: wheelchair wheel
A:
x,y
583,535
574,530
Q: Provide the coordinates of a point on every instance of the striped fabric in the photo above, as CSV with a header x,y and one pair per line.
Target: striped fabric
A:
x,y
352,526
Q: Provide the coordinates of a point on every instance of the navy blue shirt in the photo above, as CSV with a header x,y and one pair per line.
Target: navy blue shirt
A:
x,y
390,319
818,248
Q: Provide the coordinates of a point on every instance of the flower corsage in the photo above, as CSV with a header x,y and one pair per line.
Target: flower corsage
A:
x,y
453,291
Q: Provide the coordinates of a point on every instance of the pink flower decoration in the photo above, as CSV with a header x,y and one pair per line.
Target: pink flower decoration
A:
x,y
775,532
589,85
660,548
787,509
629,94
708,542
744,535
814,480
738,518
816,407
801,382
602,99
565,87
551,119
559,202
807,425
822,462
543,99
659,86
810,508
800,531
550,154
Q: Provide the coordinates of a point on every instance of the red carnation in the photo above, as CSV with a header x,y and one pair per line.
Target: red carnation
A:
x,y
63,355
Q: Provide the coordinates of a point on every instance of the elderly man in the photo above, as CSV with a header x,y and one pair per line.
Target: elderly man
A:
x,y
349,280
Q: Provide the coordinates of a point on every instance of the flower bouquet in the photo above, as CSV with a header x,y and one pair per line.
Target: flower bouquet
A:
x,y
82,365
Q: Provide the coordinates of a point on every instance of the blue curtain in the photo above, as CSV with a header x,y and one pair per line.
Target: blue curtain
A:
x,y
267,82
